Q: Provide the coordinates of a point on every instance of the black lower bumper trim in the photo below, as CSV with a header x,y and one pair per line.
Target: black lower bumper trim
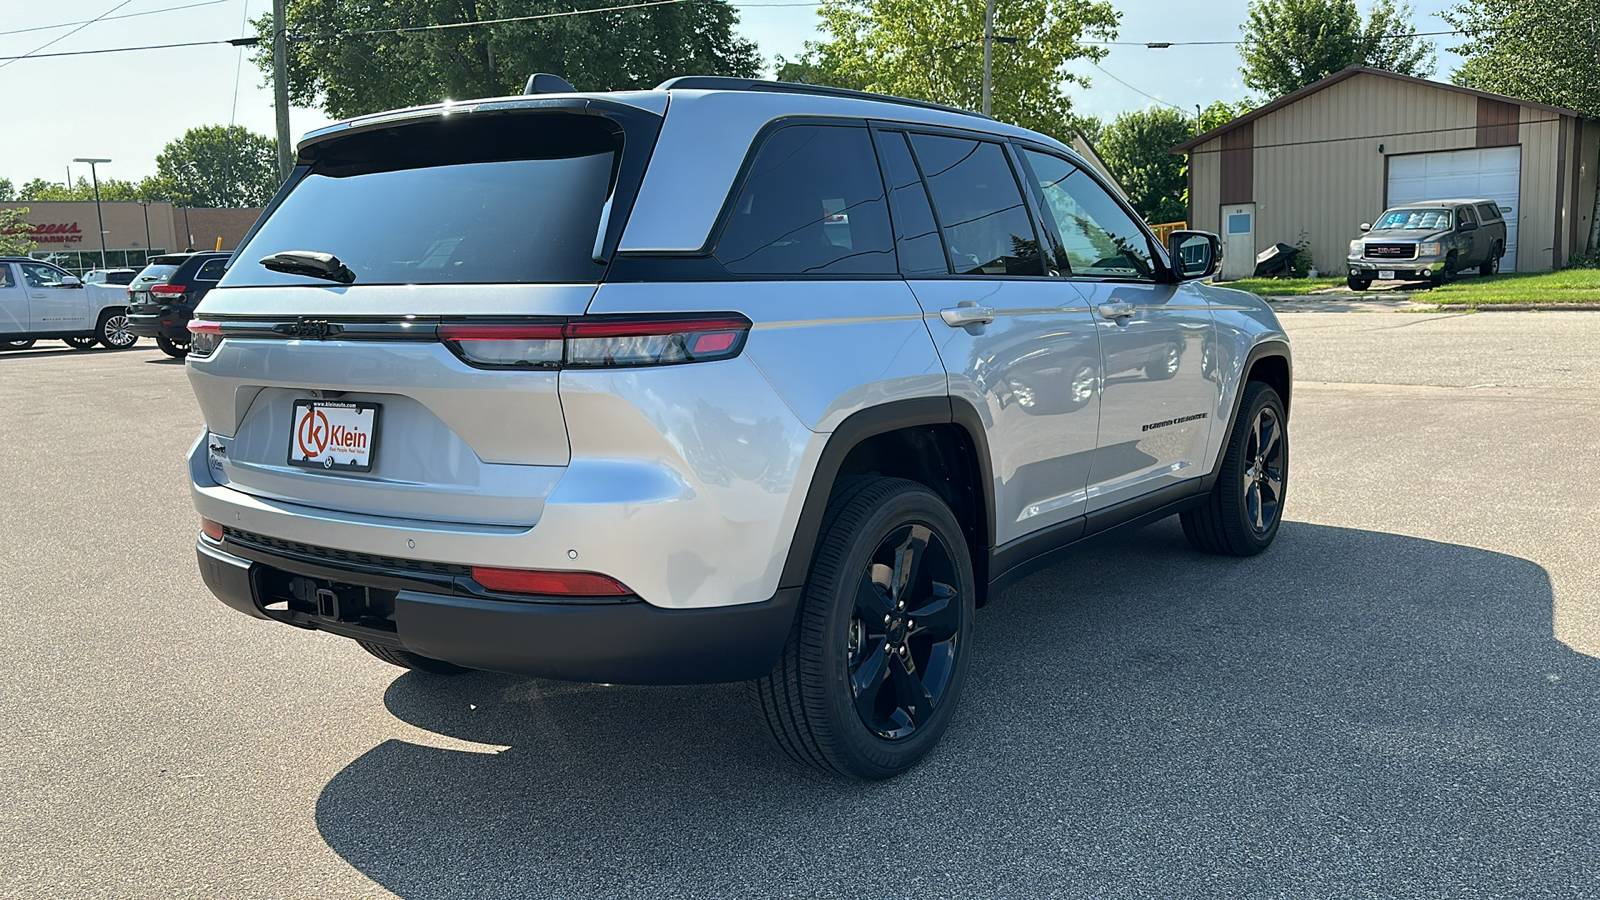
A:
x,y
617,643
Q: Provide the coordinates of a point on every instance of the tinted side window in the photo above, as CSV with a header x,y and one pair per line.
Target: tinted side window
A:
x,y
916,237
812,204
211,270
1487,212
987,229
1466,214
1100,239
38,275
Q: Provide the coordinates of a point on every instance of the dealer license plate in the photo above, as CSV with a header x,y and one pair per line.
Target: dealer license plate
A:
x,y
1385,274
333,436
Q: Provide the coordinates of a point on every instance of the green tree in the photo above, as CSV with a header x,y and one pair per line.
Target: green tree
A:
x,y
1547,51
1221,113
1135,148
14,231
933,50
217,166
337,62
1292,43
83,189
8,191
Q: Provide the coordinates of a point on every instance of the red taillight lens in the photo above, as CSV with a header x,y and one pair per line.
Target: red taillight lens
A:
x,y
549,584
167,289
599,341
517,346
212,530
204,337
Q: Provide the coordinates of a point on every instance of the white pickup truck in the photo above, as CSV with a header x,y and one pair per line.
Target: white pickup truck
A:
x,y
41,300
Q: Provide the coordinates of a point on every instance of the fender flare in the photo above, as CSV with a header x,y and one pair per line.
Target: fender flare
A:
x,y
1263,350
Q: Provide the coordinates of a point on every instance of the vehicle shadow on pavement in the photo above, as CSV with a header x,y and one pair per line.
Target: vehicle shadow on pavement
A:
x,y
1352,713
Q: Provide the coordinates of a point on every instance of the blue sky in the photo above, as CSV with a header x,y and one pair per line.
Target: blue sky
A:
x,y
127,106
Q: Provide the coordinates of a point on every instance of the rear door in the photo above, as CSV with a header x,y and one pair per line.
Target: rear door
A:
x,y
13,301
1156,339
52,305
1019,345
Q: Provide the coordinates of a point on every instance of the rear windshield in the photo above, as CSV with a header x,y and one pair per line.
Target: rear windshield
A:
x,y
506,199
153,273
1415,219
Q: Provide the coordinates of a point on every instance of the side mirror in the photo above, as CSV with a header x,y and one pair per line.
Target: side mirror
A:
x,y
1469,226
1366,227
71,281
1194,254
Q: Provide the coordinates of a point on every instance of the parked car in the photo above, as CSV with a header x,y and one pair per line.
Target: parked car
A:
x,y
40,300
1432,241
122,277
484,390
162,297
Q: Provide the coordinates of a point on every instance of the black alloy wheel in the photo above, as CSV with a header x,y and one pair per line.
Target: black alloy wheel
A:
x,y
873,668
1241,515
172,348
81,343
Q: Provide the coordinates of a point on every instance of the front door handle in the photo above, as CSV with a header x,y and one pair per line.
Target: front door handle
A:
x,y
962,316
1117,310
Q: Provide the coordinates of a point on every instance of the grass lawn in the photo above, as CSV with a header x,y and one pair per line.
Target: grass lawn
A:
x,y
1569,286
1282,287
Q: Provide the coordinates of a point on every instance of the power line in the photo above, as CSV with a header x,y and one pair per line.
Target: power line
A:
x,y
1162,45
132,15
9,60
1137,91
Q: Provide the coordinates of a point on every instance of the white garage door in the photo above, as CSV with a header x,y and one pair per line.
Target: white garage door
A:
x,y
1493,174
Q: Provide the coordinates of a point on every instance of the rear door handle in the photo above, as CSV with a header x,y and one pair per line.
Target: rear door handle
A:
x,y
1118,310
962,316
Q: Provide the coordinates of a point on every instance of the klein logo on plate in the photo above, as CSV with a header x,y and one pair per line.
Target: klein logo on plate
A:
x,y
332,435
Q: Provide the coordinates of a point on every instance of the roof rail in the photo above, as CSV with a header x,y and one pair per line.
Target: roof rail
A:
x,y
724,83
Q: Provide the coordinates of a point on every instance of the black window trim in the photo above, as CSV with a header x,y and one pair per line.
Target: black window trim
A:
x,y
910,128
875,133
1164,271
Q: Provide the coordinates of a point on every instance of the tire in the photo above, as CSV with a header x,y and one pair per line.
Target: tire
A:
x,y
1447,274
1358,284
844,696
1241,515
405,659
16,345
81,343
113,330
172,348
1491,266
1167,365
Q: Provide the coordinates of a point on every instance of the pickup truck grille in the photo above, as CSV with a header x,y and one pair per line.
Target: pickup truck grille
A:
x,y
1391,251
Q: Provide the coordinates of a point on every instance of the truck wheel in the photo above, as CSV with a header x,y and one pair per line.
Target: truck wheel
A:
x,y
1491,266
16,345
171,347
113,330
405,659
1240,517
1447,274
81,343
874,666
1358,284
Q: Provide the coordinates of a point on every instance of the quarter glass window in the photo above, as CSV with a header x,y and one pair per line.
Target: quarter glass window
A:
x,y
812,204
212,270
916,237
1100,239
987,228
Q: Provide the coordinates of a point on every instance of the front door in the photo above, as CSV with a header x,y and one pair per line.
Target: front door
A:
x,y
1156,338
1238,241
52,305
1019,346
13,301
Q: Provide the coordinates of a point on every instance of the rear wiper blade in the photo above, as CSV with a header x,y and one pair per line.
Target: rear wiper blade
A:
x,y
310,262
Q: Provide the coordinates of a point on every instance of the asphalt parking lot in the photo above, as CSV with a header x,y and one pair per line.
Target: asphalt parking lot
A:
x,y
1401,698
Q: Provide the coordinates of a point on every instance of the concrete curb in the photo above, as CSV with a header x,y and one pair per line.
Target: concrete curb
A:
x,y
1519,307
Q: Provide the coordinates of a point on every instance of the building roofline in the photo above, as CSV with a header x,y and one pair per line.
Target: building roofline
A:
x,y
1343,75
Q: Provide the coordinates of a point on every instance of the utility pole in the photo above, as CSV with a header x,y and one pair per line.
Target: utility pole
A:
x,y
988,51
97,216
280,84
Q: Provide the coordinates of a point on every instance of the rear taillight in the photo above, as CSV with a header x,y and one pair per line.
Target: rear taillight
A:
x,y
599,341
548,583
169,290
204,337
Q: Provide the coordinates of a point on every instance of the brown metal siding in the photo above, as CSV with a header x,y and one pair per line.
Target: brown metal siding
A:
x,y
1559,251
1497,122
1543,178
1238,165
1205,179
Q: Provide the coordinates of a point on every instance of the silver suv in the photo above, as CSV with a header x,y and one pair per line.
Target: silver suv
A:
x,y
724,381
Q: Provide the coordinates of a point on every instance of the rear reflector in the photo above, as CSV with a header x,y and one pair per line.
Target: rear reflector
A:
x,y
599,341
167,288
212,530
548,584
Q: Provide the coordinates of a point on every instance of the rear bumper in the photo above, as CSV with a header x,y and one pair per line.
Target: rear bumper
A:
x,y
619,642
169,321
